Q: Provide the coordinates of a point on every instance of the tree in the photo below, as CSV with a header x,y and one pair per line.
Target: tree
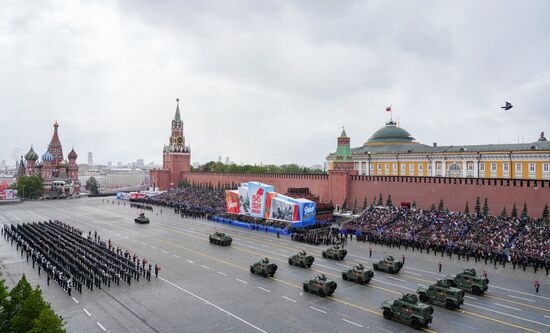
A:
x,y
389,203
345,205
29,187
478,207
467,209
485,208
365,203
13,303
380,201
355,206
504,213
30,309
441,206
515,211
374,201
92,185
47,322
433,208
545,214
524,214
413,204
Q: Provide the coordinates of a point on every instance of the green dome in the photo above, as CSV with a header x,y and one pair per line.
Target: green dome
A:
x,y
390,134
31,155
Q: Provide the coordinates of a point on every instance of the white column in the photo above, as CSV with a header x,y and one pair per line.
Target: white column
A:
x,y
367,172
443,169
476,169
464,164
433,168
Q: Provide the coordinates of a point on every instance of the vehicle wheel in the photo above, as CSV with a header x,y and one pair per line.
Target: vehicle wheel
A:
x,y
321,293
415,323
252,270
390,270
324,254
210,241
302,265
375,267
308,265
271,274
423,297
306,288
476,290
344,277
450,304
360,280
290,261
387,314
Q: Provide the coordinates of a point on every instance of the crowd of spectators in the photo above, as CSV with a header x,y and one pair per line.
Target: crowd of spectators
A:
x,y
318,234
255,221
498,239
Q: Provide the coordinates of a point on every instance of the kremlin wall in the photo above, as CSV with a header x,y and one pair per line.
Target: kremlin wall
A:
x,y
391,163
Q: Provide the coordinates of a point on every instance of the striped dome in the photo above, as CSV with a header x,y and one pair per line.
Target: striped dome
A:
x,y
31,155
47,157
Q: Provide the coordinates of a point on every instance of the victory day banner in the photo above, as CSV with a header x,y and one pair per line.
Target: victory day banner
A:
x,y
232,202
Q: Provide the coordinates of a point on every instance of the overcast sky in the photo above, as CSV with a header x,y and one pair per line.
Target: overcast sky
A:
x,y
268,81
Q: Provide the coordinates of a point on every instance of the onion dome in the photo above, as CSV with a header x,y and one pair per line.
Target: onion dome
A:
x,y
390,134
63,164
72,155
47,157
31,155
38,165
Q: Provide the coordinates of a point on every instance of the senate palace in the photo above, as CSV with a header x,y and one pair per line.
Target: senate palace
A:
x,y
392,151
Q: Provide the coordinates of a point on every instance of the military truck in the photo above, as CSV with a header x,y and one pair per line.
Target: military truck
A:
x,y
442,293
469,281
358,274
219,238
141,219
408,310
320,286
388,264
263,268
335,252
301,259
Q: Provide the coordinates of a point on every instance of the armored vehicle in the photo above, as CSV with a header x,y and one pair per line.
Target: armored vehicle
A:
x,y
264,268
219,238
388,264
141,219
358,274
469,281
442,293
301,259
408,310
320,286
335,252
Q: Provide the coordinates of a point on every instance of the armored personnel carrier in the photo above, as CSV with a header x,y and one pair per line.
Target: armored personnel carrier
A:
x,y
358,274
408,310
320,286
335,252
301,259
442,293
469,281
388,264
141,219
219,238
264,268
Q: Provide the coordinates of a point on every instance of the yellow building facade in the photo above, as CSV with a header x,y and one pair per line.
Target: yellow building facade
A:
x,y
392,151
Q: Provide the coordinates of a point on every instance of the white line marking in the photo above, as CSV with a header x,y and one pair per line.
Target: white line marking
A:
x,y
190,261
241,281
344,266
414,273
74,299
89,314
396,279
323,260
142,243
519,292
282,250
153,247
288,299
176,256
509,315
164,251
547,317
221,273
205,267
313,308
525,299
212,304
101,326
351,322
263,289
470,297
508,307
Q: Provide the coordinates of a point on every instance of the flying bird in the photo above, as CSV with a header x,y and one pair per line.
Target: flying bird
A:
x,y
507,107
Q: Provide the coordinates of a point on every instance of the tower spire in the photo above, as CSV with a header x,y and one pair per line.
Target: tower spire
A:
x,y
177,117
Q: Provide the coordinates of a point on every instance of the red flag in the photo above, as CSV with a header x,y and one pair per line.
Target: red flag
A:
x,y
388,108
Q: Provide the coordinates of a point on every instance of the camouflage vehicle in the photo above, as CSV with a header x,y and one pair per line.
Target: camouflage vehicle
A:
x,y
335,252
408,310
320,286
388,264
301,259
358,274
442,293
469,281
141,219
219,238
264,268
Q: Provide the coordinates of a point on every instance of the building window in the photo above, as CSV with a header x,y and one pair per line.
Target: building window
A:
x,y
356,165
395,167
364,165
505,167
518,167
420,167
531,167
545,167
403,168
493,167
438,166
481,166
470,166
379,166
429,166
387,167
371,167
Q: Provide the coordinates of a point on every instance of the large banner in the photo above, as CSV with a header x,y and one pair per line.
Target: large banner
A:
x,y
307,210
232,202
244,201
283,210
270,196
257,192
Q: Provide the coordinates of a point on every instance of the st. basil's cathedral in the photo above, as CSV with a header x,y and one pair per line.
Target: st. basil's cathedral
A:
x,y
60,176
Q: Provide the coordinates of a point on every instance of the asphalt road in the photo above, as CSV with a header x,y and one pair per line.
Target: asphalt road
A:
x,y
207,288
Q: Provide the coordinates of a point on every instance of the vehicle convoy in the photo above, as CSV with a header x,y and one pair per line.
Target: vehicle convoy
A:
x,y
320,286
469,281
358,274
301,259
335,252
442,293
264,268
408,310
388,264
219,238
141,219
